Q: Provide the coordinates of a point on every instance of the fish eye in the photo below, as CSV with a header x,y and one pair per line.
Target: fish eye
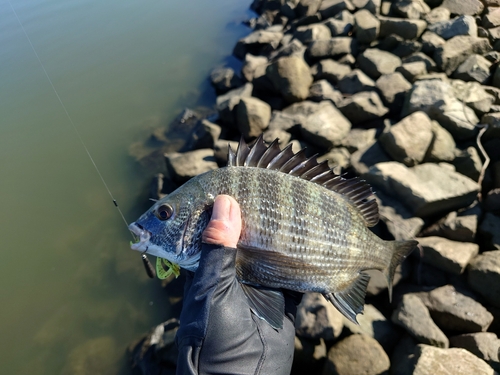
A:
x,y
164,212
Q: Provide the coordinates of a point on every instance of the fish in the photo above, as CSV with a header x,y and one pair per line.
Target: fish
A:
x,y
304,228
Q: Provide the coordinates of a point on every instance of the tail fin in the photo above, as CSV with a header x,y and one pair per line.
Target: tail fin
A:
x,y
400,250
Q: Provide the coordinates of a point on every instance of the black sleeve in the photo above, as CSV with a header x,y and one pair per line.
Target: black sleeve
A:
x,y
218,334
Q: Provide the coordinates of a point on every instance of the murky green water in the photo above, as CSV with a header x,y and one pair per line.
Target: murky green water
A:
x,y
71,289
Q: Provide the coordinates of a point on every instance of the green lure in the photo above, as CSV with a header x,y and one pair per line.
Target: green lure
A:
x,y
164,268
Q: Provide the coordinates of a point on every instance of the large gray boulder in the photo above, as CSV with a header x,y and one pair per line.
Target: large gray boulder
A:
x,y
182,166
484,345
367,156
362,107
463,25
460,7
355,82
413,316
449,256
259,42
431,360
317,318
408,140
443,145
426,189
291,77
393,88
405,28
325,127
331,70
367,26
310,33
252,117
322,90
484,276
226,104
333,48
473,95
474,68
357,354
454,311
456,50
375,62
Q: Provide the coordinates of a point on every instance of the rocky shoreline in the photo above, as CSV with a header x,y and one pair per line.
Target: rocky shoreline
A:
x,y
406,95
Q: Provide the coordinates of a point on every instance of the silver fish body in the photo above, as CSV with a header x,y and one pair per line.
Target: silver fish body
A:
x,y
299,233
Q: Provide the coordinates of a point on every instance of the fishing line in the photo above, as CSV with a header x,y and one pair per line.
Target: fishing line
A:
x,y
145,260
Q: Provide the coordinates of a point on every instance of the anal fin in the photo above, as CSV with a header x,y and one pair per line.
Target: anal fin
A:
x,y
266,304
350,302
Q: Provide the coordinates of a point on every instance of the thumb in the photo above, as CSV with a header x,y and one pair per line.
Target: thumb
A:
x,y
224,227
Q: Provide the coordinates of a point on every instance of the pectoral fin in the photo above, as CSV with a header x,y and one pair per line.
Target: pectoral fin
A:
x,y
350,302
267,304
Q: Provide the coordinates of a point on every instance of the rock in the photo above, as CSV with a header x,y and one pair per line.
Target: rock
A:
x,y
437,15
405,28
454,311
459,7
204,135
430,64
442,146
355,82
284,121
484,345
399,221
364,106
463,25
493,122
224,79
373,324
338,27
413,316
310,33
411,9
252,117
338,158
221,147
474,68
225,104
375,62
436,98
408,140
317,318
306,8
412,70
449,256
430,360
156,351
181,167
254,67
492,19
468,163
331,70
484,276
489,230
473,95
358,138
309,354
355,355
333,48
330,8
456,50
325,127
367,26
393,88
291,77
431,41
454,227
294,48
260,42
492,202
323,90
426,189
368,156
372,5
271,134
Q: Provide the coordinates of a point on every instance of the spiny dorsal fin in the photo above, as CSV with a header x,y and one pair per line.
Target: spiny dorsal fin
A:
x,y
356,191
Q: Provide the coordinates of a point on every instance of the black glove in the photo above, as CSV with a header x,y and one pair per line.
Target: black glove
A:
x,y
218,333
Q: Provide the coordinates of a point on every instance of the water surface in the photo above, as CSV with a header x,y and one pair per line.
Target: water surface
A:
x,y
71,289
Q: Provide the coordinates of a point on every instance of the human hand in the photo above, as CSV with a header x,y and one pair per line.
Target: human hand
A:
x,y
225,225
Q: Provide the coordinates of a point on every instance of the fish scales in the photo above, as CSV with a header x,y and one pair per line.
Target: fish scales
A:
x,y
303,228
285,214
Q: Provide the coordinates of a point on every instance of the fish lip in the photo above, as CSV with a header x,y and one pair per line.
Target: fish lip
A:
x,y
144,237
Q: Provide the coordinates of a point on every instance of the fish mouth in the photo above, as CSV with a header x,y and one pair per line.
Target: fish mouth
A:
x,y
141,236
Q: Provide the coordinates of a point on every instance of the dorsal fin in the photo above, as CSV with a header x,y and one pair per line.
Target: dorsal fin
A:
x,y
354,190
